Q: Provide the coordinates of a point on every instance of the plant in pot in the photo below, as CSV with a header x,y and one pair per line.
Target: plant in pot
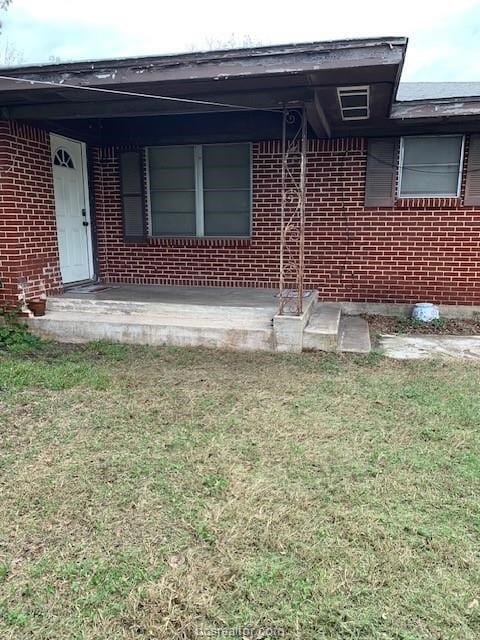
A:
x,y
38,306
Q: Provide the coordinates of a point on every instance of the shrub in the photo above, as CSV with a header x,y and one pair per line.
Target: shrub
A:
x,y
15,336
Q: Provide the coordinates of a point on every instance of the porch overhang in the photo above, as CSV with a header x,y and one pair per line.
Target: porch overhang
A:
x,y
234,94
255,79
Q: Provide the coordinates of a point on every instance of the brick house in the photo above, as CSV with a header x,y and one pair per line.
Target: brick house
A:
x,y
167,170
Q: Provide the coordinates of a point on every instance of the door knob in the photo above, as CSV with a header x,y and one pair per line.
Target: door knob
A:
x,y
85,223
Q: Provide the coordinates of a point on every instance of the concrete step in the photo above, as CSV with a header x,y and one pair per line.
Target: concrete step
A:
x,y
147,329
354,335
132,307
321,333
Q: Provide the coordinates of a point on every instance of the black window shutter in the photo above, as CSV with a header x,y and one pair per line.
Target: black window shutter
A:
x,y
472,184
381,180
133,196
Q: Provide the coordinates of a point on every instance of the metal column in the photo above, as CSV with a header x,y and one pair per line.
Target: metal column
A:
x,y
292,238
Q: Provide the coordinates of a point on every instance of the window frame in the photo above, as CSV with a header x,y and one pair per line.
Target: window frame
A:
x,y
431,195
199,192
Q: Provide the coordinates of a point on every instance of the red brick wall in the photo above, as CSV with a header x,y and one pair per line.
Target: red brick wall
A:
x,y
29,264
422,249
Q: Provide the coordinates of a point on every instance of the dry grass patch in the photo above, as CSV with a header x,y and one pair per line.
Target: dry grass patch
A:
x,y
152,493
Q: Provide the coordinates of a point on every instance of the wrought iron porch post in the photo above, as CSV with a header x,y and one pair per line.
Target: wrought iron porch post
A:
x,y
292,215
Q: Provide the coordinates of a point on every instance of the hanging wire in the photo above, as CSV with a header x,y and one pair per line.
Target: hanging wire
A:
x,y
396,165
135,94
211,103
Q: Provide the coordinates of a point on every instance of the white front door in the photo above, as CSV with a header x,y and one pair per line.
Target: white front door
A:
x,y
71,204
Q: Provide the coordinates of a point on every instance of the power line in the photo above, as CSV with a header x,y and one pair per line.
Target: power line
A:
x,y
398,166
211,103
135,94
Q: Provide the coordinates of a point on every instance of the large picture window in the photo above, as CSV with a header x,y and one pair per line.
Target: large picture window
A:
x,y
430,166
200,190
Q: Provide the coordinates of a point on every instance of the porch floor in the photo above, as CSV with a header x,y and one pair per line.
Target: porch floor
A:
x,y
222,317
209,296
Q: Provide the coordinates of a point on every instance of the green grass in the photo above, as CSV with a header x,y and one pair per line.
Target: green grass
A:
x,y
153,493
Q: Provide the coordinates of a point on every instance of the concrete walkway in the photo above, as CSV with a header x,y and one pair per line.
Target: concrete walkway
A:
x,y
407,347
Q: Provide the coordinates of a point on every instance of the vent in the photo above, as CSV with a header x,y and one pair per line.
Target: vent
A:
x,y
354,102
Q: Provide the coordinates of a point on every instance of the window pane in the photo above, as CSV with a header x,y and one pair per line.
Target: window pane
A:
x,y
162,157
171,168
173,224
226,177
226,183
431,180
173,202
432,150
431,165
173,213
227,224
172,190
176,178
227,213
227,201
226,166
233,155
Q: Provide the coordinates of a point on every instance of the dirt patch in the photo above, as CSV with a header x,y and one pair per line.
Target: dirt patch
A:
x,y
444,326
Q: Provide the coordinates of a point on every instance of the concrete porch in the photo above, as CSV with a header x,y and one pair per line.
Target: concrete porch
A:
x,y
243,319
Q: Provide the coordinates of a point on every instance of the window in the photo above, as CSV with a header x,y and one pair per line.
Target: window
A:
x,y
200,190
430,166
172,190
63,159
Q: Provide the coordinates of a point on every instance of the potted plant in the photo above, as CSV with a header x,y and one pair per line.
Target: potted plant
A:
x,y
37,306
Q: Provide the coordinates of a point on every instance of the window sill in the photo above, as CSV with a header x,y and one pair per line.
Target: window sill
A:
x,y
196,241
428,202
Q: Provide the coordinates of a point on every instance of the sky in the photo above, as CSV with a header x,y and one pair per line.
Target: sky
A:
x,y
444,35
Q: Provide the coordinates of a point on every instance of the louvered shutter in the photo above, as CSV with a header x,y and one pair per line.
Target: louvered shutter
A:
x,y
381,177
472,184
133,196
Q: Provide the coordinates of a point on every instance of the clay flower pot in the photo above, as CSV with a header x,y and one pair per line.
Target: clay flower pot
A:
x,y
37,306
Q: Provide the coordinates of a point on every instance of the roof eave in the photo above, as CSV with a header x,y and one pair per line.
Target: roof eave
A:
x,y
441,108
207,56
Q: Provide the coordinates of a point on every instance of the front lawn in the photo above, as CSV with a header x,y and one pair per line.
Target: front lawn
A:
x,y
170,493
